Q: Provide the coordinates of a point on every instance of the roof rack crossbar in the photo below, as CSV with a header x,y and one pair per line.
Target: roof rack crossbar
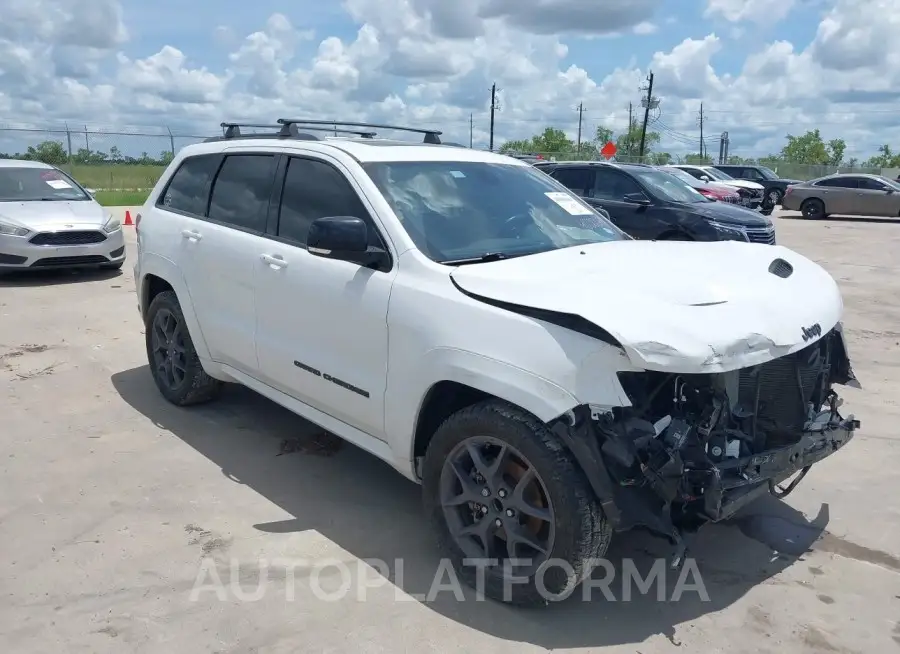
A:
x,y
233,130
432,136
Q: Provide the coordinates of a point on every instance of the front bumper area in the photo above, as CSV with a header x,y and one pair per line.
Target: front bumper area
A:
x,y
740,481
19,253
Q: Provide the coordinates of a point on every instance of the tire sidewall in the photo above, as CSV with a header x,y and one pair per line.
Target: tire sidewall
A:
x,y
169,302
812,203
566,492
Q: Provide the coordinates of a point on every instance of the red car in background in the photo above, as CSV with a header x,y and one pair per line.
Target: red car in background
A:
x,y
712,190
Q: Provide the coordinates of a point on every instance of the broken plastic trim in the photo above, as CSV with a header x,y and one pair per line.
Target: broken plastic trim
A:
x,y
561,319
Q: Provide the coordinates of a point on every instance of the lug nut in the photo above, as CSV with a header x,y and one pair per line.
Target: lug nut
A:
x,y
498,522
485,492
484,509
510,513
502,492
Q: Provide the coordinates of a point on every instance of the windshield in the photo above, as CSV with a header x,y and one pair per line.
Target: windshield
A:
x,y
667,186
715,173
687,178
768,173
456,210
29,184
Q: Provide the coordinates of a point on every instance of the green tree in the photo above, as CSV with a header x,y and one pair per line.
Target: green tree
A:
x,y
697,159
48,152
628,143
811,149
884,159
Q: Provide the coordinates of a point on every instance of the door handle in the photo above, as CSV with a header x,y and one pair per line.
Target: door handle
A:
x,y
273,261
191,235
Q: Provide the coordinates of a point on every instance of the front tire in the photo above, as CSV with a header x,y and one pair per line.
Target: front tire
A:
x,y
174,363
497,485
775,197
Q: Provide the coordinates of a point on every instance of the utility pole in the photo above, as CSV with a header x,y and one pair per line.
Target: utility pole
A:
x,y
649,102
471,129
701,130
628,143
493,108
580,114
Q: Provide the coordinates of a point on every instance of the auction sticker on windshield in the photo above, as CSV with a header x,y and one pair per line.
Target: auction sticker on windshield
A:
x,y
58,184
569,203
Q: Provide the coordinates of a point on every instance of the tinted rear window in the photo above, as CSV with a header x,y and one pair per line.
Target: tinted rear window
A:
x,y
188,191
241,192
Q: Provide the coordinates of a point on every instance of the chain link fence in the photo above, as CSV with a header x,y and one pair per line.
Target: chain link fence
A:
x,y
104,159
784,169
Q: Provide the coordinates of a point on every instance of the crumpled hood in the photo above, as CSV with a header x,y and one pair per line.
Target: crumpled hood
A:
x,y
743,183
53,214
674,306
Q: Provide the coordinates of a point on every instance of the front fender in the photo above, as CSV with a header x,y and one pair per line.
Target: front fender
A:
x,y
165,269
406,394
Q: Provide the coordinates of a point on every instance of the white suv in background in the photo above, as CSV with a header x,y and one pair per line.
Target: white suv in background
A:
x,y
467,319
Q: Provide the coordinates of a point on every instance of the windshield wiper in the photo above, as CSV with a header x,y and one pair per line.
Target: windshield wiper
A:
x,y
484,258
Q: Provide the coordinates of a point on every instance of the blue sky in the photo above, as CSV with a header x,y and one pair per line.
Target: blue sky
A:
x,y
761,68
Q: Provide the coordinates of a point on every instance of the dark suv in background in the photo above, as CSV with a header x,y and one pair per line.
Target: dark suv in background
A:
x,y
648,203
774,185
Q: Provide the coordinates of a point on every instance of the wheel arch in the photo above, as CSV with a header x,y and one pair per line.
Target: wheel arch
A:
x,y
157,275
464,379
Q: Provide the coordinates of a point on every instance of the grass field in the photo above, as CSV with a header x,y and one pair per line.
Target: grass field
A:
x,y
122,198
115,176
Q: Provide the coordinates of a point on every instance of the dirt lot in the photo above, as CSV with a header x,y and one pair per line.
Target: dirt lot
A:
x,y
111,501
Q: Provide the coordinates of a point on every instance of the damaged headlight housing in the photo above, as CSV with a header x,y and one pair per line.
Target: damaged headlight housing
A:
x,y
729,232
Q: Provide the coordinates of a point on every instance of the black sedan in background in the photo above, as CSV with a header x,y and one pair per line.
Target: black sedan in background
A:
x,y
651,204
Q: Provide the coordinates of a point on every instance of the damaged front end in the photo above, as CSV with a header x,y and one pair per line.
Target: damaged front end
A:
x,y
697,448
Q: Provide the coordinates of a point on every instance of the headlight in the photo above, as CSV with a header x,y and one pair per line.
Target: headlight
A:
x,y
112,225
729,232
12,230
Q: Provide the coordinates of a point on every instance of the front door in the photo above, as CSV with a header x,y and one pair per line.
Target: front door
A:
x,y
877,198
322,323
608,192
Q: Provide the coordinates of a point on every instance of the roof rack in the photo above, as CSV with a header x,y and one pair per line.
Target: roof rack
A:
x,y
233,131
432,136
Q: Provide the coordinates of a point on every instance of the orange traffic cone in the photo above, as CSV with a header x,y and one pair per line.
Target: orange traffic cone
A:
x,y
128,220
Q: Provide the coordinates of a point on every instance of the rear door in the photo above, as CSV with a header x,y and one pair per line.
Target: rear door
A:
x,y
219,256
576,179
840,195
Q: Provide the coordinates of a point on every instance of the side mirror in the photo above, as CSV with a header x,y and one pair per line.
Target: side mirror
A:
x,y
888,191
337,235
636,198
345,238
91,191
705,178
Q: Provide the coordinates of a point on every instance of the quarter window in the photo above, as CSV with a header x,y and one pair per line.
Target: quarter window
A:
x,y
188,190
575,179
240,194
611,185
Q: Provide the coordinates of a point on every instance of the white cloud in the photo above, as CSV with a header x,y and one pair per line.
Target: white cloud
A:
x,y
433,62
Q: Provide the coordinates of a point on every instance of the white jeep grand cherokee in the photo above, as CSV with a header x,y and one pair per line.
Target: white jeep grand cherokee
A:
x,y
464,317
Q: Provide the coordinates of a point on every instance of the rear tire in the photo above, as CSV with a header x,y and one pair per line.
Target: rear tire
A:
x,y
572,531
813,209
173,360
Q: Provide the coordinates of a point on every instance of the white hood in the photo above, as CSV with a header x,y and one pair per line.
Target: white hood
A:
x,y
674,306
742,183
37,215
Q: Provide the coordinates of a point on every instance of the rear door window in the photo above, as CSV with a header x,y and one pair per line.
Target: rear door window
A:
x,y
575,179
241,191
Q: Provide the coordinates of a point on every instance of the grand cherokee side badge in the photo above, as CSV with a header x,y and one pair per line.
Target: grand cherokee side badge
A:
x,y
813,331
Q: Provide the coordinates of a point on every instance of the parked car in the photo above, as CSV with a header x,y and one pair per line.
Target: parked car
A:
x,y
464,317
650,204
711,190
845,194
48,220
752,194
773,184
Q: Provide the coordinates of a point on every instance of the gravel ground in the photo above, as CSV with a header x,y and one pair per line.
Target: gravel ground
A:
x,y
113,502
